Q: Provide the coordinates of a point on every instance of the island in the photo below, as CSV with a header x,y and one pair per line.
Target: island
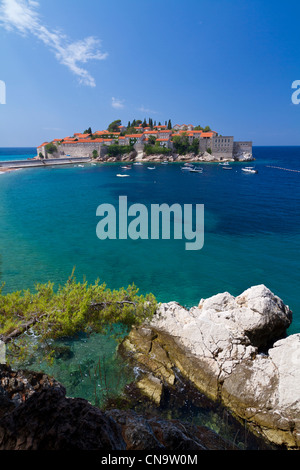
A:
x,y
146,141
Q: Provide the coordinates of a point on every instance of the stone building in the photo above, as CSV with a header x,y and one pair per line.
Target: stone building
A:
x,y
83,145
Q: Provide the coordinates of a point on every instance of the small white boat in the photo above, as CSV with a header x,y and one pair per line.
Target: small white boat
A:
x,y
164,162
249,169
227,167
123,176
80,166
151,167
127,167
186,168
137,163
196,170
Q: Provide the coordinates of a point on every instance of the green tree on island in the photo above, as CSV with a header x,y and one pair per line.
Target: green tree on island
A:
x,y
182,146
51,148
114,126
152,140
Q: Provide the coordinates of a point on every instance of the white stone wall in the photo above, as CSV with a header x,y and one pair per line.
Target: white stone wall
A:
x,y
240,148
79,149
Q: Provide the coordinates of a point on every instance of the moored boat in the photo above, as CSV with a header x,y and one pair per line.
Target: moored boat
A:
x,y
249,169
196,170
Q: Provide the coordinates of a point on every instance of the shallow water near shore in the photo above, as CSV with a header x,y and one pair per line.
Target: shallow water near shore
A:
x,y
89,367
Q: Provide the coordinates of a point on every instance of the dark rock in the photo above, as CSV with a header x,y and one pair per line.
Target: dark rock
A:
x,y
50,421
45,419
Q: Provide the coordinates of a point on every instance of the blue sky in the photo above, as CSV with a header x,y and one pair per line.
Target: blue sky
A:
x,y
68,65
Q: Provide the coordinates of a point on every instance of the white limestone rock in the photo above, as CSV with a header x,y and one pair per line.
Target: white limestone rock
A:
x,y
236,341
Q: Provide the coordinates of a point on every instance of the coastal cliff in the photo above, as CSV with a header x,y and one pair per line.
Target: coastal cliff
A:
x,y
234,350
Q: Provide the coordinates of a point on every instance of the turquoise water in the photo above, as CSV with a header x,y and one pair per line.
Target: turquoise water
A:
x,y
16,153
48,226
252,228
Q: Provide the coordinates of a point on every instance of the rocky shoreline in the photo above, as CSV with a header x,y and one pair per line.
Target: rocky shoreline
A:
x,y
203,157
228,352
234,350
35,414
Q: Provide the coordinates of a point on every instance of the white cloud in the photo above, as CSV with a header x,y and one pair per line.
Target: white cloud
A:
x,y
117,104
22,16
147,110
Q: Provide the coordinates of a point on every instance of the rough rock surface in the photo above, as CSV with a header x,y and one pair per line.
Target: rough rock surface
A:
x,y
244,157
190,157
232,349
37,415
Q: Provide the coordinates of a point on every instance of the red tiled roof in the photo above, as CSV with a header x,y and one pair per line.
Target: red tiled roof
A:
x,y
45,143
208,134
162,140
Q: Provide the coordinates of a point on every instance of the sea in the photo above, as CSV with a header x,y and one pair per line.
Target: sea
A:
x,y
251,235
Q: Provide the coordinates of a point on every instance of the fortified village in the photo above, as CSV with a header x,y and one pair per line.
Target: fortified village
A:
x,y
163,139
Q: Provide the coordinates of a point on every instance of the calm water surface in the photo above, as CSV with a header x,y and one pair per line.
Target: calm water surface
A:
x,y
252,236
252,228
